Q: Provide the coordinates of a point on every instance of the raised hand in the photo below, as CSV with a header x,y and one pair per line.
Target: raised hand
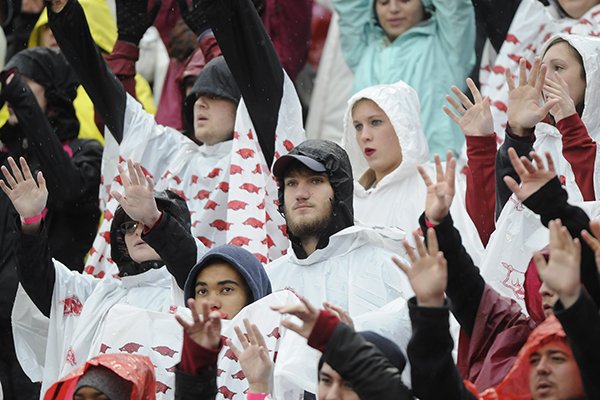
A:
x,y
254,357
27,196
441,193
138,201
193,15
205,328
428,275
134,18
562,272
304,311
339,312
525,106
592,240
474,119
557,89
533,177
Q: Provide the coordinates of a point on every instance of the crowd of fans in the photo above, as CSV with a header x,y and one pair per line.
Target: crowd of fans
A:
x,y
169,230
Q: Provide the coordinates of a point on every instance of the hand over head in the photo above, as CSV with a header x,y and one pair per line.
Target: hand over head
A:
x,y
138,200
525,105
562,272
428,274
441,193
533,177
474,119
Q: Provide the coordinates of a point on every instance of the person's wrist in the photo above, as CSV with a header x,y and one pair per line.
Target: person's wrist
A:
x,y
56,5
258,387
435,301
152,219
519,129
569,297
435,218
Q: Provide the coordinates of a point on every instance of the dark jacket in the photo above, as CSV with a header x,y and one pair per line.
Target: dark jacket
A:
x,y
582,326
169,238
369,362
71,166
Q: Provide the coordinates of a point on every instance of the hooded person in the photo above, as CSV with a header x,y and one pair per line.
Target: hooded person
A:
x,y
385,143
329,252
227,180
523,36
117,376
39,86
85,315
104,31
387,41
573,150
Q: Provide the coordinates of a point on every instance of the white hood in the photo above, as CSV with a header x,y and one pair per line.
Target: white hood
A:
x,y
589,49
401,104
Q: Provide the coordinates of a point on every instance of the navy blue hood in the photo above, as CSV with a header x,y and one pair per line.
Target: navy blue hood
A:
x,y
242,260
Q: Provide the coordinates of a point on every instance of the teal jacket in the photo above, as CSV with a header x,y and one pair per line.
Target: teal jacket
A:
x,y
430,57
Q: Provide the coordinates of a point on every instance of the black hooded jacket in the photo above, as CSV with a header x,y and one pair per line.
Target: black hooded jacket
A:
x,y
170,238
49,143
339,172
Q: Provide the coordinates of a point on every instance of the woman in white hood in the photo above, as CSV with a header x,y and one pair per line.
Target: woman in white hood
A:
x,y
385,143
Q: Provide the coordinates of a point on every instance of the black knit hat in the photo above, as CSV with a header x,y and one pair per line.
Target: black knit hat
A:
x,y
106,381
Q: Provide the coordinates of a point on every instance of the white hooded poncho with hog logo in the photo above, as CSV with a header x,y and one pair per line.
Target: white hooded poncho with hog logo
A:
x,y
519,231
229,189
532,25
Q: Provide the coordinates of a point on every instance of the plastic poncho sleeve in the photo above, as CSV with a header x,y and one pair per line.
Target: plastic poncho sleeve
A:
x,y
433,372
354,21
73,35
68,179
253,62
582,326
496,18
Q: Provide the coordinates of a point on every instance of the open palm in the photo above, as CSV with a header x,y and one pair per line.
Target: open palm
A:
x,y
27,196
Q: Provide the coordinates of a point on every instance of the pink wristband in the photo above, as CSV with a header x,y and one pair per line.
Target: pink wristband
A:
x,y
34,219
256,396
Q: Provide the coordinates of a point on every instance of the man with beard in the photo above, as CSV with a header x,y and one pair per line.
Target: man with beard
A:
x,y
333,260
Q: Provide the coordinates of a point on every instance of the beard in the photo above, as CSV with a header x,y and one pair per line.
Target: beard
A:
x,y
310,227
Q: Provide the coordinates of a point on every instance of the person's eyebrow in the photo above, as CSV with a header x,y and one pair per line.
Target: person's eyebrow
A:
x,y
227,282
324,374
554,352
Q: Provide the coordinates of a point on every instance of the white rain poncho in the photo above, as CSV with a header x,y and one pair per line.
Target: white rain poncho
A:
x,y
519,231
90,316
398,199
229,189
532,25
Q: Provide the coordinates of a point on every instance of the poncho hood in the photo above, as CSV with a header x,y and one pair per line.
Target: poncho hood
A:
x,y
215,79
168,202
133,368
339,172
243,261
401,104
589,50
